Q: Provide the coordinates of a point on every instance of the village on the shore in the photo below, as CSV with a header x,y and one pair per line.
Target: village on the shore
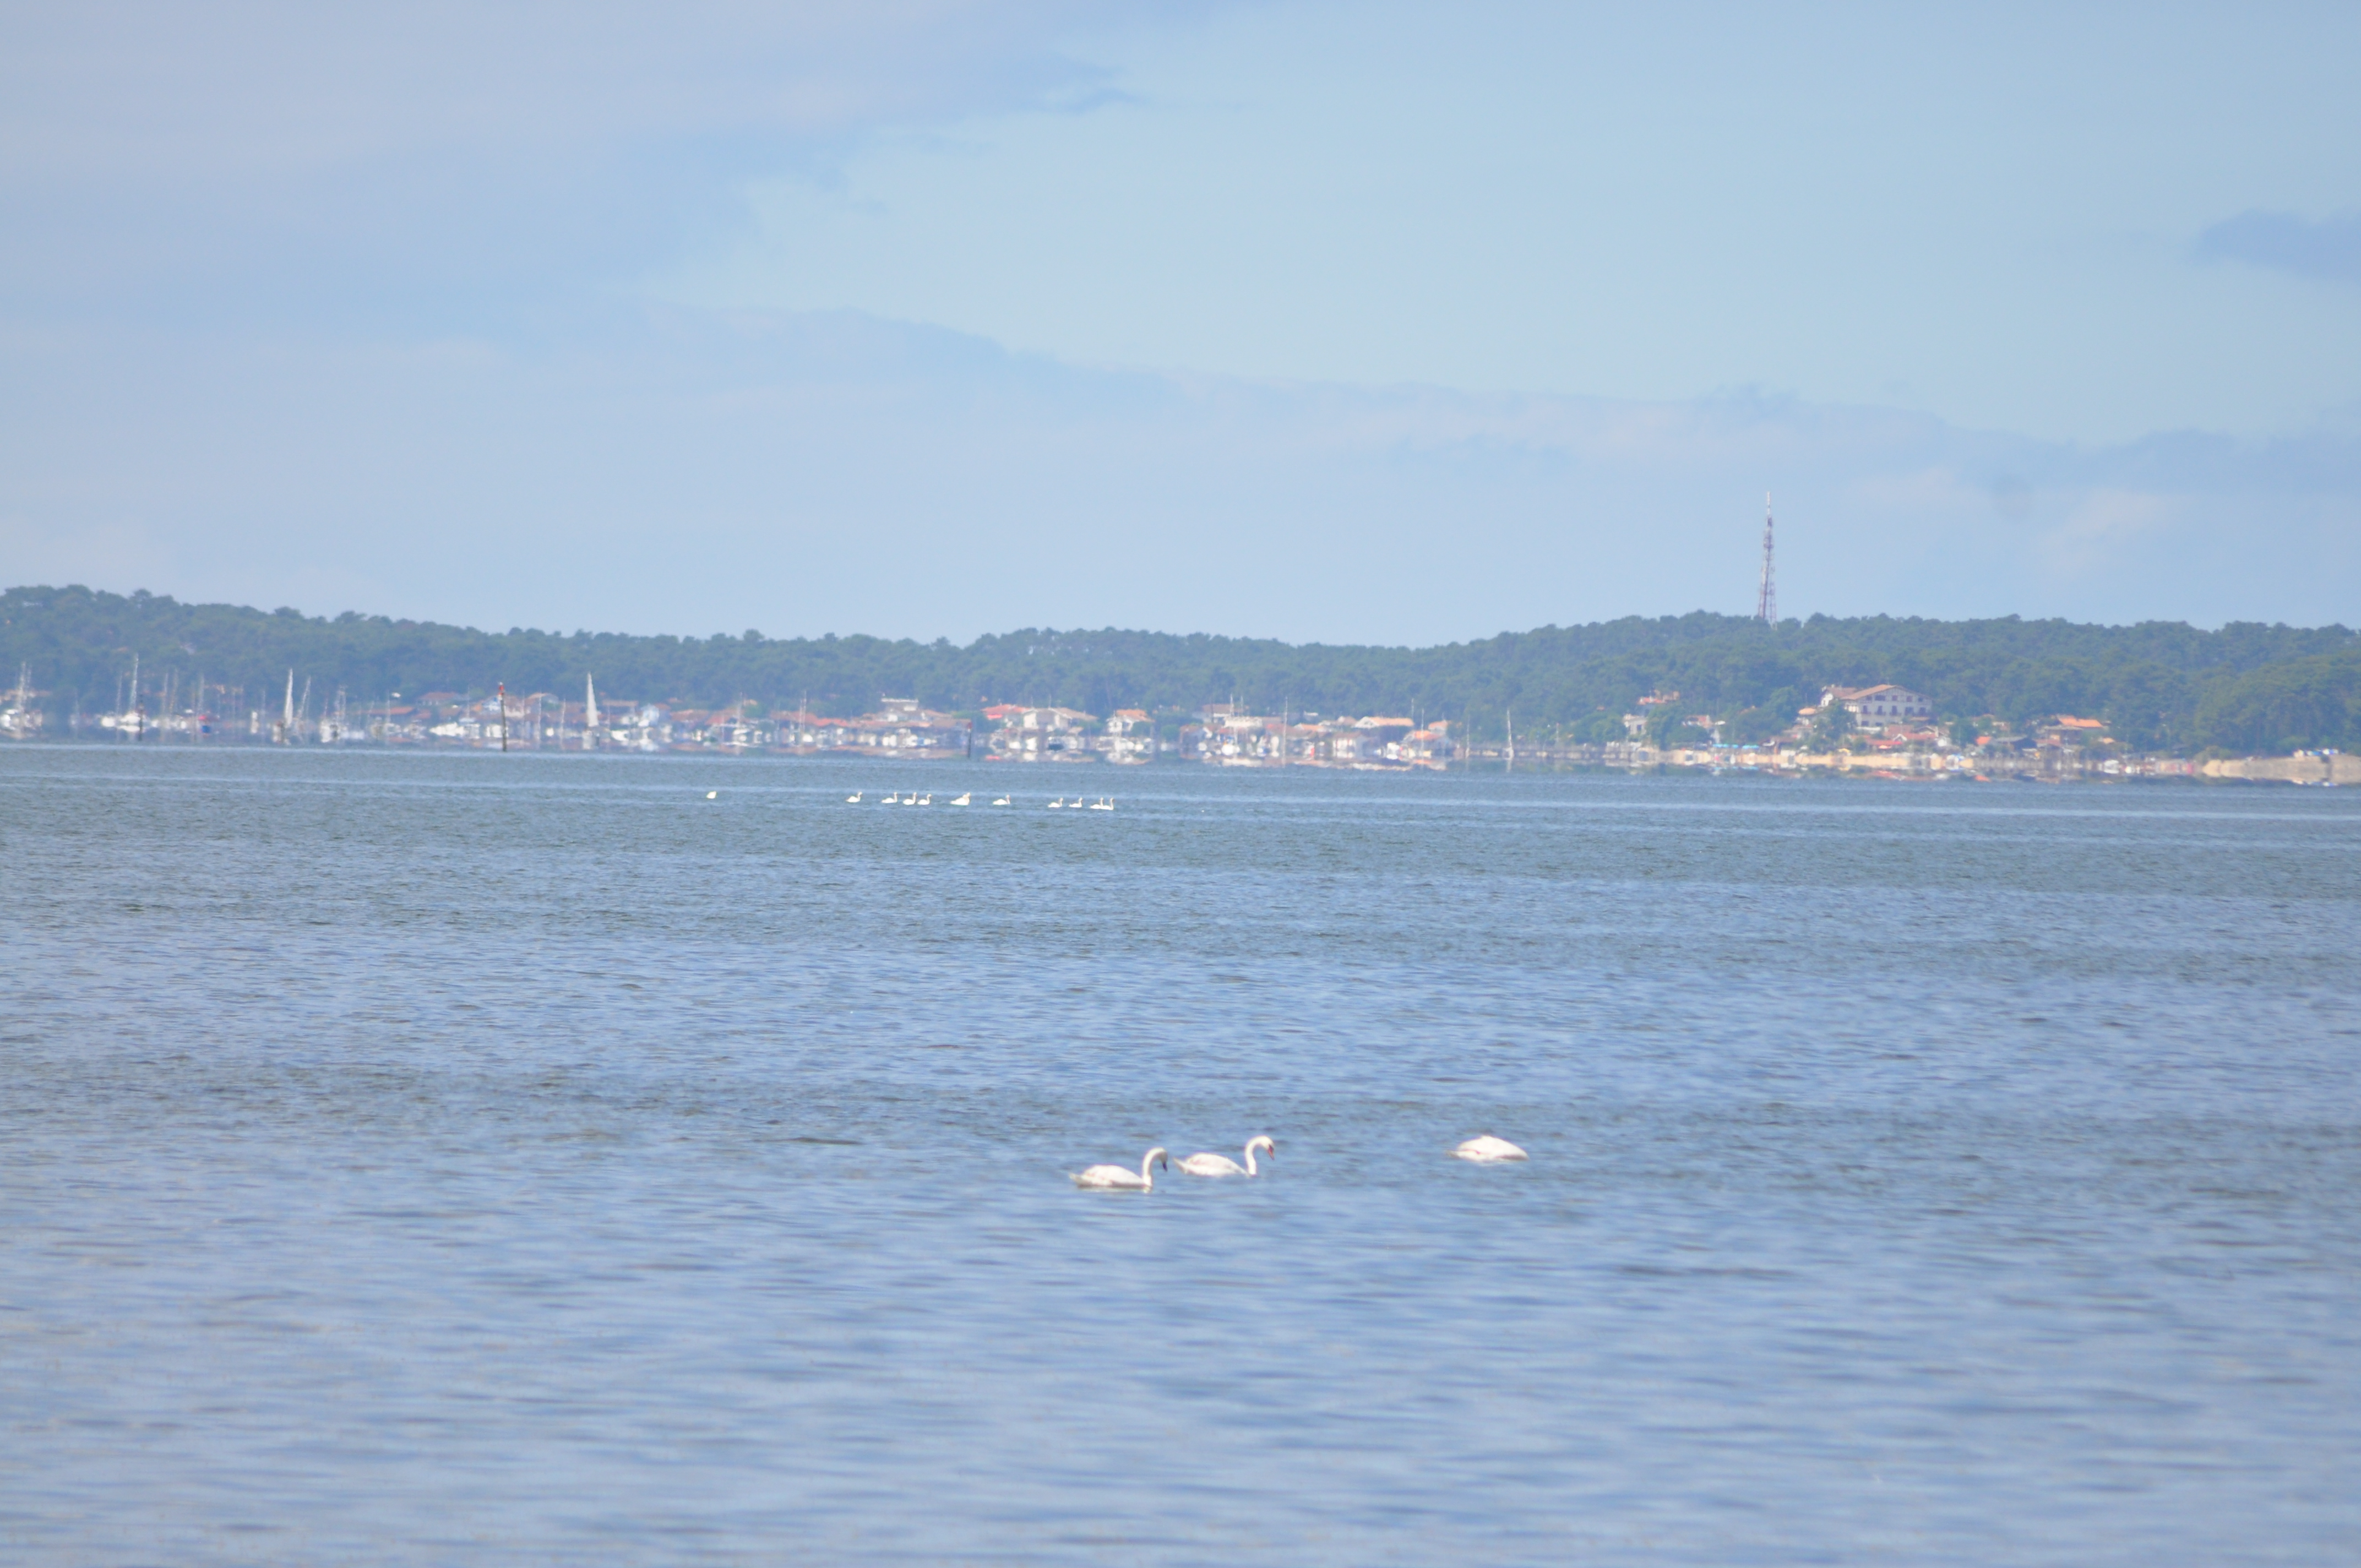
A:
x,y
1886,731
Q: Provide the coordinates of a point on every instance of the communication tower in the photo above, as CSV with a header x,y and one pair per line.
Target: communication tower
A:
x,y
1766,601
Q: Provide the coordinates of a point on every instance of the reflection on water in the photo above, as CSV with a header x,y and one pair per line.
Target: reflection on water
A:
x,y
528,1160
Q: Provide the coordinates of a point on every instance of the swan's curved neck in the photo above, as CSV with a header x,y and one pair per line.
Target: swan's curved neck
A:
x,y
1146,1164
1250,1164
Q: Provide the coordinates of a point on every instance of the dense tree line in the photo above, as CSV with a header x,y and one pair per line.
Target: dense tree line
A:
x,y
2159,685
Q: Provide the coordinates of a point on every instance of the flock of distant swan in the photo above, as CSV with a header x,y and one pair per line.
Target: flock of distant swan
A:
x,y
1103,803
1486,1150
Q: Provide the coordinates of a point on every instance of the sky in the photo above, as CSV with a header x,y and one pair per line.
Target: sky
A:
x,y
1348,323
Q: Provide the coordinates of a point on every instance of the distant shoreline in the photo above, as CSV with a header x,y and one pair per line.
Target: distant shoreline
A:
x,y
2162,689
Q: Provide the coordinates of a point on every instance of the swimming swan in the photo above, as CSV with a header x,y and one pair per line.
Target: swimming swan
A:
x,y
1488,1150
1002,801
960,801
1222,1165
1119,1177
855,798
1104,803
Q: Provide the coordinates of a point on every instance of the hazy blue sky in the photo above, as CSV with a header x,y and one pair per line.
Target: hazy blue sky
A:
x,y
1355,322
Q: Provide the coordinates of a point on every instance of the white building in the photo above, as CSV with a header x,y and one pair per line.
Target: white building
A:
x,y
1874,707
1040,734
1130,736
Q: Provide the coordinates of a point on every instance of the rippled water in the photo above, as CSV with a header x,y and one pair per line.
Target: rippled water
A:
x,y
484,1161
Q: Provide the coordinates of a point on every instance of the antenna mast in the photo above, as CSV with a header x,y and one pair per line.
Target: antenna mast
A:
x,y
1766,601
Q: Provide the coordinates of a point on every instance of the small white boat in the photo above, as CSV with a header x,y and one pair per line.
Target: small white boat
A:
x,y
713,794
1487,1150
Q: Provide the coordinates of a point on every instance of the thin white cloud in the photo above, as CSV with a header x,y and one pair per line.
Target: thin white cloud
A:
x,y
269,86
2103,529
2327,248
444,164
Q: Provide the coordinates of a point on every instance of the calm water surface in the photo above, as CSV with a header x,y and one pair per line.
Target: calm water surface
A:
x,y
527,1160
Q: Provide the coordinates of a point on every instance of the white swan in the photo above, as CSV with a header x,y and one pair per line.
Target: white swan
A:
x,y
855,798
713,794
1002,801
930,799
1119,1177
1057,803
1104,803
1222,1165
893,799
961,800
1488,1150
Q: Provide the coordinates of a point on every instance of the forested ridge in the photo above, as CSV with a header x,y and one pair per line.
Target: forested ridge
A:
x,y
2160,685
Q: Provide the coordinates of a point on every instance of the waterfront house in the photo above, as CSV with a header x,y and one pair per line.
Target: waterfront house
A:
x,y
1874,707
1040,734
1359,741
902,727
1243,739
1130,736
